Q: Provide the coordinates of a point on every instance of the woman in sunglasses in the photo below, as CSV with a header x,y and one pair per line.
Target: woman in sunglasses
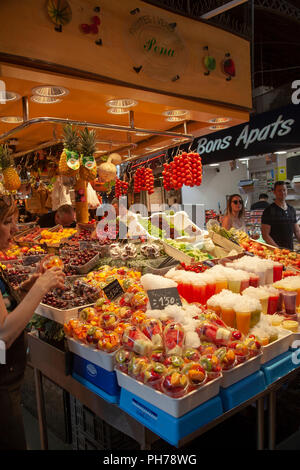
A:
x,y
235,213
13,319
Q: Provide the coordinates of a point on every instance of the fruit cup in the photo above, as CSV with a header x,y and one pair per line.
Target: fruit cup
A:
x,y
226,357
157,355
137,366
191,354
277,271
173,339
211,364
134,340
123,357
195,373
289,301
109,342
242,352
253,345
228,316
174,362
152,328
108,321
53,261
175,384
153,375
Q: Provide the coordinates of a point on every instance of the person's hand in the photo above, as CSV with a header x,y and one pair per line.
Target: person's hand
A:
x,y
40,268
50,279
27,285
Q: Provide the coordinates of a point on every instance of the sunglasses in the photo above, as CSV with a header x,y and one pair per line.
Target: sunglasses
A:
x,y
237,202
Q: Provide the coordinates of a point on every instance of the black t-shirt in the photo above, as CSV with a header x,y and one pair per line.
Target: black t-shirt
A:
x,y
259,205
282,224
47,220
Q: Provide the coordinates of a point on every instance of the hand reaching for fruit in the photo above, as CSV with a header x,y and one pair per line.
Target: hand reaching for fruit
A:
x,y
51,278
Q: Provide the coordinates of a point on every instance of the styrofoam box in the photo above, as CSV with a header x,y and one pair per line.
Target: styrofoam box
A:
x,y
100,358
277,347
173,406
58,315
241,371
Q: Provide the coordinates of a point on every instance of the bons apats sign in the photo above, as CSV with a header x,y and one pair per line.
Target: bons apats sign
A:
x,y
264,133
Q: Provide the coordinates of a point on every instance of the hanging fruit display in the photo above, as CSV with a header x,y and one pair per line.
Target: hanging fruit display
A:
x,y
11,179
108,170
121,188
69,161
186,169
88,167
144,180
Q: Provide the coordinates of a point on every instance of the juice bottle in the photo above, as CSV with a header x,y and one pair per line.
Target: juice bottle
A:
x,y
234,285
269,272
199,290
221,283
277,271
228,315
289,301
243,321
264,301
244,284
273,304
254,280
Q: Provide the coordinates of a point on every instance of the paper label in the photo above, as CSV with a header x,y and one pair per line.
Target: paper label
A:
x,y
88,162
73,160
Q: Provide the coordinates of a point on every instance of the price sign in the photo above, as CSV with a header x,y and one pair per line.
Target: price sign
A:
x,y
161,298
113,290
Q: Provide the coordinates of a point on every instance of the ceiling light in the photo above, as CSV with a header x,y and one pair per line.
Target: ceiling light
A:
x,y
142,134
175,112
175,118
219,120
45,99
49,90
280,153
122,103
214,164
8,96
12,119
118,111
217,127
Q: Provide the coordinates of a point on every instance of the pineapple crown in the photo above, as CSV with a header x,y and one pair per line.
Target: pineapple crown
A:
x,y
71,138
6,159
87,142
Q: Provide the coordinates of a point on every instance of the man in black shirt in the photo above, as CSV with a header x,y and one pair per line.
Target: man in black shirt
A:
x,y
64,215
261,204
278,222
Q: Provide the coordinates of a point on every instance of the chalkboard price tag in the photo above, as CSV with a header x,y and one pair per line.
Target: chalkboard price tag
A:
x,y
113,290
161,298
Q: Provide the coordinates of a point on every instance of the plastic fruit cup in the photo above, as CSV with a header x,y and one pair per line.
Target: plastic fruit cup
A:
x,y
210,289
255,317
264,301
244,284
53,261
199,293
228,316
243,321
254,280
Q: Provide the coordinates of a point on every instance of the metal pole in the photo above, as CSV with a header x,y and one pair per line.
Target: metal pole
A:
x,y
260,423
25,108
272,420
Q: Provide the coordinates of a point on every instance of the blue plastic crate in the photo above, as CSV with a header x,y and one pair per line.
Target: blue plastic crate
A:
x,y
98,391
243,390
96,375
163,424
279,366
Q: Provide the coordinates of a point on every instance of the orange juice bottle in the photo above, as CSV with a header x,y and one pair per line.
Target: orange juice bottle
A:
x,y
228,315
243,321
221,283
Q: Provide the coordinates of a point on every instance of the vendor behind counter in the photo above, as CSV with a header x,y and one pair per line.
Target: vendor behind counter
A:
x,y
64,215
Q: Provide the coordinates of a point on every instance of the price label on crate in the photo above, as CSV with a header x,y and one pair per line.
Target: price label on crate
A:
x,y
161,298
113,290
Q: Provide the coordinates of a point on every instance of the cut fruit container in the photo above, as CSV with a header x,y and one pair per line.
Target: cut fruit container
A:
x,y
174,406
277,347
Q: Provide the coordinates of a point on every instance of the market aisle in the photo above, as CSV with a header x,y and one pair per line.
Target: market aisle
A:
x,y
33,437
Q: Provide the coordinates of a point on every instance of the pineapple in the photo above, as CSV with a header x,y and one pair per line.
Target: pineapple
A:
x,y
11,179
71,143
87,149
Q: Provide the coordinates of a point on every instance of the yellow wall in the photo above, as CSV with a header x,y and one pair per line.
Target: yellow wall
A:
x,y
26,30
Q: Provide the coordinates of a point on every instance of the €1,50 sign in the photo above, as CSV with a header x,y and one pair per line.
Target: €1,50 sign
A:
x,y
162,298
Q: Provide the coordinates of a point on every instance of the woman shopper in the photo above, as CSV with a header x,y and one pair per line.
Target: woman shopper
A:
x,y
235,213
13,320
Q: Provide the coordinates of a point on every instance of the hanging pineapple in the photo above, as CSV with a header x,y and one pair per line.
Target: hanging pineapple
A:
x,y
69,161
88,168
11,179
